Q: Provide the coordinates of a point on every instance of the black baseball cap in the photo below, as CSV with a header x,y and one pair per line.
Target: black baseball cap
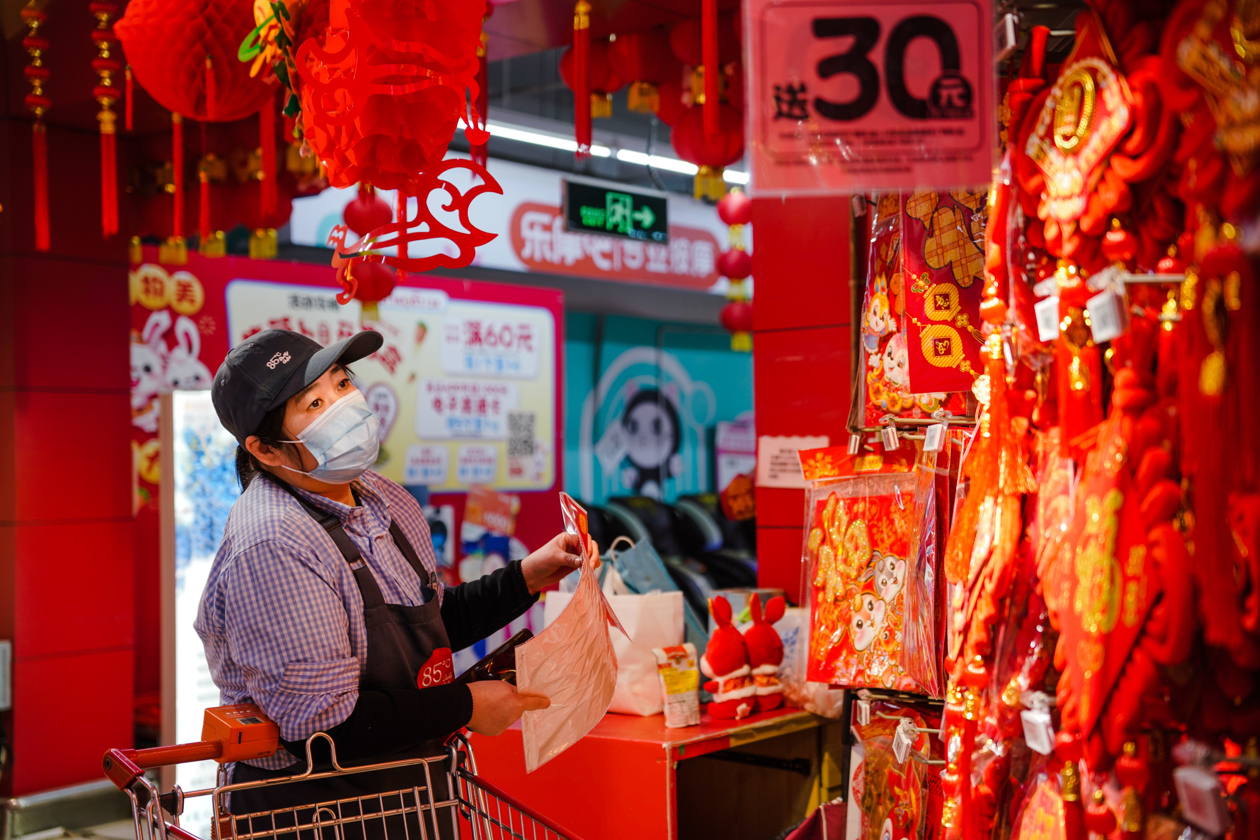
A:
x,y
269,367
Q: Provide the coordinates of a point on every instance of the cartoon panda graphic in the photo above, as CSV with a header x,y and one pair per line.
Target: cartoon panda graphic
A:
x,y
653,440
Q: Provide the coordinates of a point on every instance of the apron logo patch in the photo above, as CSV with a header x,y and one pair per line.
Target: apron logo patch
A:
x,y
439,670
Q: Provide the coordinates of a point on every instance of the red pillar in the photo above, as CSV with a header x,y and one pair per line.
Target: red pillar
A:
x,y
801,353
66,566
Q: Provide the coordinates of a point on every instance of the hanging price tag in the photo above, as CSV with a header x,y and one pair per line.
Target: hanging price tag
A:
x,y
904,738
934,438
1038,730
1199,792
862,709
889,436
855,444
1108,317
1047,318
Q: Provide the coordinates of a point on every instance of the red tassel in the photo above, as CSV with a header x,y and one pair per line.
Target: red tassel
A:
x,y
203,215
109,184
267,128
211,91
177,172
131,99
709,45
400,205
480,152
39,134
581,72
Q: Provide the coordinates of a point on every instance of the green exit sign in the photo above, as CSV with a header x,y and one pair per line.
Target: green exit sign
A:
x,y
612,211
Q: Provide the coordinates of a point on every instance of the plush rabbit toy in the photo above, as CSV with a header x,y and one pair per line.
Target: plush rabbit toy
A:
x,y
725,663
765,651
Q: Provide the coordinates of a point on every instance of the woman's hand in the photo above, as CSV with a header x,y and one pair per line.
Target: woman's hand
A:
x,y
496,706
555,561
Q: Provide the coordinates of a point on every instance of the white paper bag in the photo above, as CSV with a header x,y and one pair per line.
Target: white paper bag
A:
x,y
650,621
571,662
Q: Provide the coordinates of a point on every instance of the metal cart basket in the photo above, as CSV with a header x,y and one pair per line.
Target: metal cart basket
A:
x,y
452,802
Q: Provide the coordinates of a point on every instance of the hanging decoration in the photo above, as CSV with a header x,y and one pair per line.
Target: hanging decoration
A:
x,y
710,154
380,103
480,151
185,55
603,77
735,210
581,50
646,61
38,103
106,93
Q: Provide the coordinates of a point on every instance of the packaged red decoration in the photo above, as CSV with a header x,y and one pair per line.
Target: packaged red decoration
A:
x,y
863,549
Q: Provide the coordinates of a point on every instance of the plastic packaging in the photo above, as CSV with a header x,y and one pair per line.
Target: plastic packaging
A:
x,y
863,545
571,662
680,684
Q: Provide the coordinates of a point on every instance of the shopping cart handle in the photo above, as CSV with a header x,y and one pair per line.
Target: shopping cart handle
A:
x,y
123,767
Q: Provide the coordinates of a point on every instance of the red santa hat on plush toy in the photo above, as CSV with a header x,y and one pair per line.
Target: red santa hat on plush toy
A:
x,y
725,663
765,651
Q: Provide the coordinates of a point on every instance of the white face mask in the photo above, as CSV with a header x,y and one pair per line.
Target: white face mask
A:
x,y
344,440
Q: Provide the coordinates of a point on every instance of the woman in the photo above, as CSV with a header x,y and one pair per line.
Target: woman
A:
x,y
323,605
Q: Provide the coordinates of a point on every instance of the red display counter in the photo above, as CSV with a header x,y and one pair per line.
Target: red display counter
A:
x,y
631,777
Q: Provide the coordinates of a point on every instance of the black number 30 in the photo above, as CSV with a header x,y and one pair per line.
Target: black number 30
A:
x,y
865,33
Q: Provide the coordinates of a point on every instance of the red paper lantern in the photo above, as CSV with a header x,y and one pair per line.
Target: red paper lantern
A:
x,y
1119,245
737,319
602,77
646,60
670,101
735,208
385,87
247,206
735,264
183,52
686,40
366,212
711,153
369,282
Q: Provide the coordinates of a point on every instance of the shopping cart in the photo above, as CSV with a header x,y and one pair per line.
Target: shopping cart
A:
x,y
453,802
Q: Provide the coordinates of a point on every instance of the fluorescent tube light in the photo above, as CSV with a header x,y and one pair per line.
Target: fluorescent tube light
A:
x,y
535,138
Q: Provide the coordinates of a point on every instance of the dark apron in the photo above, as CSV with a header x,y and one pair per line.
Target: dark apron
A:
x,y
400,642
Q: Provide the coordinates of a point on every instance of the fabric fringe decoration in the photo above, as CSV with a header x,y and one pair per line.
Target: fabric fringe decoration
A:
x,y
177,174
709,50
581,72
39,137
479,151
267,130
129,108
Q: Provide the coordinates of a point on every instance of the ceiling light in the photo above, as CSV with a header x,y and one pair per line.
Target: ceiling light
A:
x,y
536,138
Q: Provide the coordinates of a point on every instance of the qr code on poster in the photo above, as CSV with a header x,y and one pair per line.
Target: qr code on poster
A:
x,y
520,434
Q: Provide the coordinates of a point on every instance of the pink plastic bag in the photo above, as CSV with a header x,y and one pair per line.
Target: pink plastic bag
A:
x,y
571,662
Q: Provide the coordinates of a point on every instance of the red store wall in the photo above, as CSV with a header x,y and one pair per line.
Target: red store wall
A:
x,y
801,353
67,580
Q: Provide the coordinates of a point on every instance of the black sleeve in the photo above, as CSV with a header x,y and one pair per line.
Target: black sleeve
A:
x,y
389,721
474,610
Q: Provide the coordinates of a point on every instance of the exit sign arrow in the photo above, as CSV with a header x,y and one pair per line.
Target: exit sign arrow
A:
x,y
644,216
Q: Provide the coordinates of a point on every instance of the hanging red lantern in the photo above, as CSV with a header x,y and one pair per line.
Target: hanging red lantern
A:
x,y
647,61
735,208
686,39
735,264
106,64
711,153
367,211
38,103
602,78
184,55
247,210
369,282
1119,245
737,319
670,103
379,101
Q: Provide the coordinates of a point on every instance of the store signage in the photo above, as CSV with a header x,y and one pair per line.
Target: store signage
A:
x,y
591,208
540,241
678,249
855,96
